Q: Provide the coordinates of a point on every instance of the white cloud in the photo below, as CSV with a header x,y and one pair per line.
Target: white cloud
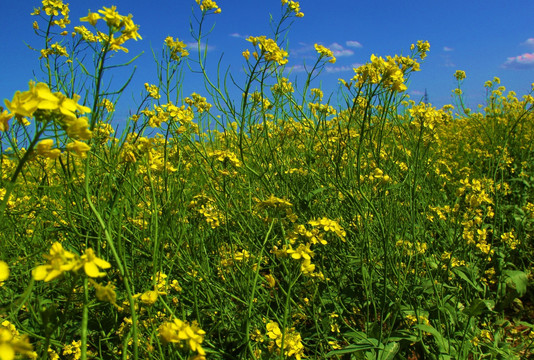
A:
x,y
354,44
446,48
295,69
238,36
194,46
339,50
447,62
529,42
520,62
337,69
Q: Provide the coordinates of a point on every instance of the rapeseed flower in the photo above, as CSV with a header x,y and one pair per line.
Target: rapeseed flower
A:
x,y
11,342
293,6
91,18
178,331
44,148
269,49
4,271
74,349
92,264
290,340
59,261
39,97
459,75
105,293
422,48
153,91
79,148
325,52
5,116
206,5
177,48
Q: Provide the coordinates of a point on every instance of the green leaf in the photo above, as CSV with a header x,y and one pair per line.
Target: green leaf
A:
x,y
389,352
478,307
443,344
519,279
461,271
351,349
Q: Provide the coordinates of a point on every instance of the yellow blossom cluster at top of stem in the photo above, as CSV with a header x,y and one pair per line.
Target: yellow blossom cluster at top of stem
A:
x,y
115,22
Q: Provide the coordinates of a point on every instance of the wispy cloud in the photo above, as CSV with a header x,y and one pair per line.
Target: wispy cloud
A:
x,y
194,46
520,62
447,49
238,36
337,69
447,61
339,50
417,93
354,44
295,69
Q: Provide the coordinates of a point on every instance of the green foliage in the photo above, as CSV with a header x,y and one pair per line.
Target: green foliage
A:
x,y
275,225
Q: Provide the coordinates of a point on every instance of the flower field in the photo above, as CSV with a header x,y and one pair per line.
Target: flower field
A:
x,y
272,225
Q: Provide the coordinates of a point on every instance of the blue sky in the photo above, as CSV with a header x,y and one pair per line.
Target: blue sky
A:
x,y
483,38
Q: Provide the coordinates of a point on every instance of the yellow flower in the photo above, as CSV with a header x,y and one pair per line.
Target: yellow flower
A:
x,y
111,16
246,54
79,148
325,52
459,75
293,6
92,264
26,103
4,118
78,128
12,343
153,91
4,271
209,5
177,48
59,261
91,18
148,297
273,331
44,148
178,330
105,293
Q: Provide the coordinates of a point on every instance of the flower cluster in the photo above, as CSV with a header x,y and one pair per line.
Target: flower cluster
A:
x,y
116,23
389,72
206,5
325,52
45,106
422,48
12,343
40,101
54,8
329,225
199,102
289,342
177,48
294,7
179,331
153,91
61,261
269,49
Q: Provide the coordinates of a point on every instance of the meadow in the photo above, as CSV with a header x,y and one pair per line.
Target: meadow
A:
x,y
273,225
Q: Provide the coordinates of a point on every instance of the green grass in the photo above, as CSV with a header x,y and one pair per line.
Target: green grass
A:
x,y
275,225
